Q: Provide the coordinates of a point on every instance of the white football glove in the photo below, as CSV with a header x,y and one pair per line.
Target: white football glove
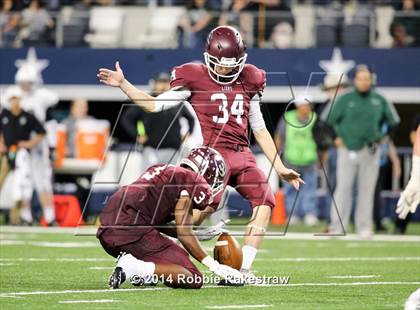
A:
x,y
410,197
223,271
212,231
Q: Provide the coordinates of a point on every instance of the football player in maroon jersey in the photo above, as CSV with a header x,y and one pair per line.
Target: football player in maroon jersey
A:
x,y
135,215
225,94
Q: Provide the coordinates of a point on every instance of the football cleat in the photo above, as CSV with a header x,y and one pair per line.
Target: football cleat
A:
x,y
118,275
117,278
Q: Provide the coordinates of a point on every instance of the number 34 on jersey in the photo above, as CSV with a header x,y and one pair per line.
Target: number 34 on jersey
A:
x,y
236,109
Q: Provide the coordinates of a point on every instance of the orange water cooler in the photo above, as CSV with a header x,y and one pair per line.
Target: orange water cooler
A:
x,y
91,139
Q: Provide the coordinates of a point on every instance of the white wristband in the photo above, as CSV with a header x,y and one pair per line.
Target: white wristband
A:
x,y
209,262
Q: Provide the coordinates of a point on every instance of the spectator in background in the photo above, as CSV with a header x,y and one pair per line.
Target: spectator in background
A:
x,y
407,23
36,24
400,38
36,100
9,24
295,139
17,129
357,118
267,15
195,24
79,109
159,133
282,36
238,16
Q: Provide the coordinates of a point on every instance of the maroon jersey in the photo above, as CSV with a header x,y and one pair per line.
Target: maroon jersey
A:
x,y
221,109
150,201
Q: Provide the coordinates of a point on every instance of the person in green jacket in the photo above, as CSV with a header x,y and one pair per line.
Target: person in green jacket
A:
x,y
357,118
295,139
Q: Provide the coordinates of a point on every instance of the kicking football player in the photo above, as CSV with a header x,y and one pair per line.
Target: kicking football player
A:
x,y
225,94
135,215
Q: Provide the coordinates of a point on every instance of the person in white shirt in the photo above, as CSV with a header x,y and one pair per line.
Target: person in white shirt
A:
x,y
37,100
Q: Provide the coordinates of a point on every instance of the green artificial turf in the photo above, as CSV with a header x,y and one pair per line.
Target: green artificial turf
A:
x,y
319,271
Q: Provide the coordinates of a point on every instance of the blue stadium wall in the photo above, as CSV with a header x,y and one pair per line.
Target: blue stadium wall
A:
x,y
394,67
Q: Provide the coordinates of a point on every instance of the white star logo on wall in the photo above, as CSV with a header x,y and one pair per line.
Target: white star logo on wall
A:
x,y
337,64
33,62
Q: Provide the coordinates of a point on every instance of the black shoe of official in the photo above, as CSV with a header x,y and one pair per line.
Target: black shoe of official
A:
x,y
26,223
52,224
379,227
117,278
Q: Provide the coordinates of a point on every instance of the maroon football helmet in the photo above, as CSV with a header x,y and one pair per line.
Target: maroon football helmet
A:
x,y
225,48
210,164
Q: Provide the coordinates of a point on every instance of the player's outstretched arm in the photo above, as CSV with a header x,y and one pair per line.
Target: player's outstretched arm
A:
x,y
268,146
410,197
117,79
147,102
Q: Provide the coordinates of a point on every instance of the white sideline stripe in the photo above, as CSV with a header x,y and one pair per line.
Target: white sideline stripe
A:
x,y
91,230
81,291
7,264
280,259
12,242
355,277
5,236
341,259
13,294
87,301
64,244
238,306
63,259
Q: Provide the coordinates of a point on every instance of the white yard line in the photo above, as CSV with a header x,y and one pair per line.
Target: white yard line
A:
x,y
14,294
351,284
341,259
62,259
81,291
11,242
46,244
278,259
238,306
87,301
91,230
100,268
369,276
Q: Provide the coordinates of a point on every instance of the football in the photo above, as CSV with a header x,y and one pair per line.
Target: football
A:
x,y
227,251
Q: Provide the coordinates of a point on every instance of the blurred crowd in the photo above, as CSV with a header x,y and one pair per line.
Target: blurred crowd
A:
x,y
263,23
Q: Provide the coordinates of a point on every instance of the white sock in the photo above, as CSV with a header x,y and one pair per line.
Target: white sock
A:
x,y
248,256
133,266
49,214
26,214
